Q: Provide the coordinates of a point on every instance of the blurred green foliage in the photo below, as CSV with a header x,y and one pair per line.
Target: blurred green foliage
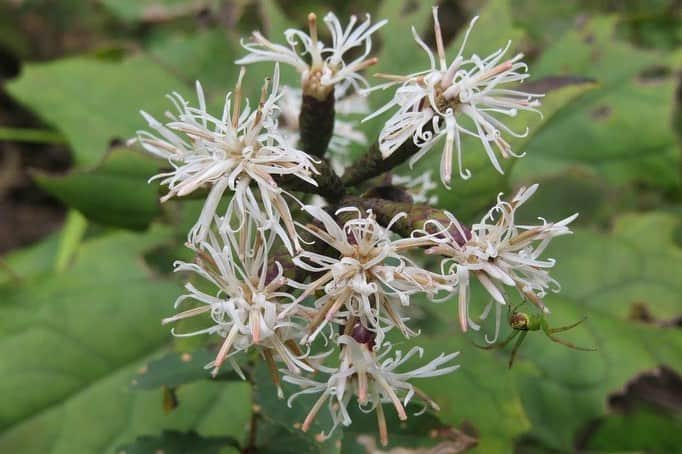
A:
x,y
80,311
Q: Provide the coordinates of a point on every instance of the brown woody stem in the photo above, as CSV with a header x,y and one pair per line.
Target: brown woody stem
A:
x,y
373,164
316,124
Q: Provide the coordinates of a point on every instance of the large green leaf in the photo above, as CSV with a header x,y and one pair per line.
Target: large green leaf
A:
x,y
605,277
620,132
92,102
106,415
78,313
37,259
644,430
71,343
638,263
114,193
207,56
570,389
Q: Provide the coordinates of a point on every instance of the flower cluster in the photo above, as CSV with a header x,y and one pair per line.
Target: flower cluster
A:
x,y
321,291
437,102
327,70
499,252
369,376
249,302
232,151
366,276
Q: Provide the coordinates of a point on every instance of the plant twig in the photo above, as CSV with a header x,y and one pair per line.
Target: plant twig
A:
x,y
373,163
316,124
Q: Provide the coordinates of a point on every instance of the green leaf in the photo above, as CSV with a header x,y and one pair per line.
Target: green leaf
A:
x,y
92,102
206,56
107,414
68,313
620,132
603,278
173,442
399,48
70,344
553,392
114,193
644,430
569,389
638,263
480,393
174,369
492,31
37,259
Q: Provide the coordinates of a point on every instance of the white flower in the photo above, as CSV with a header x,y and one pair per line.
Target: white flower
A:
x,y
464,97
327,66
372,378
344,134
498,252
370,278
229,152
419,187
249,299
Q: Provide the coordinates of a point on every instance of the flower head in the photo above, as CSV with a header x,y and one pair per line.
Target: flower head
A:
x,y
237,151
368,276
370,376
327,65
250,296
465,96
498,252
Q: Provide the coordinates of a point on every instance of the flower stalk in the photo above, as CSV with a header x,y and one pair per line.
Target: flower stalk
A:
x,y
373,163
316,123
